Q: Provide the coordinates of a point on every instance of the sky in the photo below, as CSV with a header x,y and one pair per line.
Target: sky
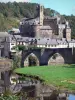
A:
x,y
66,7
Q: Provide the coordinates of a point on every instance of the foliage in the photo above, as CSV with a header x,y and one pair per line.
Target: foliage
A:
x,y
16,62
20,9
7,23
32,60
62,76
17,56
21,47
10,97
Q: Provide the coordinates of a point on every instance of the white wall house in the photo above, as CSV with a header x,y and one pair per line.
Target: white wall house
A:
x,y
53,46
71,44
12,43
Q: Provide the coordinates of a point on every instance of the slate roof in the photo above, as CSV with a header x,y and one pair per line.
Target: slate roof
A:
x,y
42,41
47,41
62,42
4,34
72,41
31,21
48,17
19,38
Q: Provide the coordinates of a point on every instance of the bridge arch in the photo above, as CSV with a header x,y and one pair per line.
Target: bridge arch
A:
x,y
31,60
56,58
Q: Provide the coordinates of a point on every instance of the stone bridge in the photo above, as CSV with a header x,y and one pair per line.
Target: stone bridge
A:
x,y
50,56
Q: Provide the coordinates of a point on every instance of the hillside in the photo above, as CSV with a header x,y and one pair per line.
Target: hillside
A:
x,y
11,13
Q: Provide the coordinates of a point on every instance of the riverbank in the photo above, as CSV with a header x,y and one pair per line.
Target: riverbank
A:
x,y
60,76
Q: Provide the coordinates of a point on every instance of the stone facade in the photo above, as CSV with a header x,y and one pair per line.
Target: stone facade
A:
x,y
41,14
5,64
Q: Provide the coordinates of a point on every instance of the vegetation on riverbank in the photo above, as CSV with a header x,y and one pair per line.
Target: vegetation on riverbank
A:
x,y
61,76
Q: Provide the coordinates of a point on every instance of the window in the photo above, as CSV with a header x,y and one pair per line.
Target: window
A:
x,y
12,44
46,45
12,48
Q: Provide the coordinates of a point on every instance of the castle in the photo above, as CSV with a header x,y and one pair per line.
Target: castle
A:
x,y
47,33
45,26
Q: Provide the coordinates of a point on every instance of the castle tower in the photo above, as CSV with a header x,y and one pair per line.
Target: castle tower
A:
x,y
68,34
41,14
60,31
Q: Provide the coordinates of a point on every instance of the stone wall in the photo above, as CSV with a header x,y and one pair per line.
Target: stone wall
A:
x,y
56,59
5,64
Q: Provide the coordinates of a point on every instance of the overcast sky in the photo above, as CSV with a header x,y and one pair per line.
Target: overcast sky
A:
x,y
62,6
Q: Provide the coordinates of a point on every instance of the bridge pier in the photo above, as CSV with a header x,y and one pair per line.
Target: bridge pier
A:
x,y
73,55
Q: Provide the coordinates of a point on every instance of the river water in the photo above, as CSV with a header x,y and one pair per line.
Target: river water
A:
x,y
71,97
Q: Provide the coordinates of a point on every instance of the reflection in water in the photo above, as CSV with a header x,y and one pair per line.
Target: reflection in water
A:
x,y
71,97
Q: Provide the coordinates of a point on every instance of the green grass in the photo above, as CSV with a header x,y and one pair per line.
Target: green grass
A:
x,y
62,76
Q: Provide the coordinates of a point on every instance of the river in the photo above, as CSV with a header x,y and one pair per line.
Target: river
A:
x,y
71,97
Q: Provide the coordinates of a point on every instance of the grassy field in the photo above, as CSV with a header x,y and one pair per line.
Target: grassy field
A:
x,y
62,76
